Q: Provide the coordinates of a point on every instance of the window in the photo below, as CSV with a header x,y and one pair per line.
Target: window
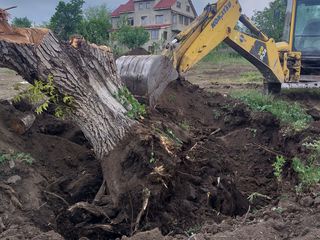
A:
x,y
180,19
178,4
151,49
148,5
155,34
165,35
174,19
307,28
287,23
130,21
188,9
186,21
159,19
141,6
115,22
144,20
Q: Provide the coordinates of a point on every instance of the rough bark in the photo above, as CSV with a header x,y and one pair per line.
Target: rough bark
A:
x,y
87,73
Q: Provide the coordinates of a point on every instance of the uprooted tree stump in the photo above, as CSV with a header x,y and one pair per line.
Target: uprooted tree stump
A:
x,y
86,72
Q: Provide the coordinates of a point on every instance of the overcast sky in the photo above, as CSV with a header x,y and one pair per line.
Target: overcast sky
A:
x,y
41,10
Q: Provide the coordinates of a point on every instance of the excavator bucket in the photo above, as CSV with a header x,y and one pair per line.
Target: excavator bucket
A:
x,y
146,76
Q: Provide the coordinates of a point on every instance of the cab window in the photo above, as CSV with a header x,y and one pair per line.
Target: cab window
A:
x,y
307,27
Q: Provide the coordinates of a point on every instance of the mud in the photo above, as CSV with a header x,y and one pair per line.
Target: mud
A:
x,y
198,154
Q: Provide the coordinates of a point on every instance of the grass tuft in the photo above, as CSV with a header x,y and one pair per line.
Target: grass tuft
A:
x,y
16,156
225,56
309,174
287,112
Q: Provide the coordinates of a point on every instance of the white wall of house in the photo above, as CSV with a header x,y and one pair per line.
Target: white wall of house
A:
x,y
179,16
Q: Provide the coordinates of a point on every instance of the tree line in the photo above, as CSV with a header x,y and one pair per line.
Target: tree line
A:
x,y
94,23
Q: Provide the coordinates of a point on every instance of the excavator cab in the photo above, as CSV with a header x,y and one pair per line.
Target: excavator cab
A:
x,y
302,32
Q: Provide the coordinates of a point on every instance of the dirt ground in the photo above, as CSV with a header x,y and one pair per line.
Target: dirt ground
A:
x,y
199,154
225,77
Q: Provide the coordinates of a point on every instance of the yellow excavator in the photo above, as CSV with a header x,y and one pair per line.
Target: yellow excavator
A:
x,y
293,63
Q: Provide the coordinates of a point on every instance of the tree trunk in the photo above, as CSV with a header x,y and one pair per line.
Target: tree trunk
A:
x,y
87,73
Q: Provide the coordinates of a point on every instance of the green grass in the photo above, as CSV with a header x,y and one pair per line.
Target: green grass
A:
x,y
185,125
278,167
288,113
309,170
309,174
16,156
225,56
251,76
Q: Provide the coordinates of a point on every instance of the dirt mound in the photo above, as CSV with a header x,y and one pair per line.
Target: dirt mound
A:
x,y
199,155
189,167
137,51
35,188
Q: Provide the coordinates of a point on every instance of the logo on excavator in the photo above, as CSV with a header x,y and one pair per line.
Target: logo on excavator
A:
x,y
262,53
221,15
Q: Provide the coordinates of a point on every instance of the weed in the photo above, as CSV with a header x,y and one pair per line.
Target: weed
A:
x,y
288,113
152,158
46,93
184,125
314,147
227,107
216,114
255,195
16,156
251,76
278,167
173,137
299,188
193,230
135,110
224,55
278,209
253,131
308,174
172,98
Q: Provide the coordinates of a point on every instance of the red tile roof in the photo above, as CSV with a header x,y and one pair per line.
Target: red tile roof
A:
x,y
123,8
164,4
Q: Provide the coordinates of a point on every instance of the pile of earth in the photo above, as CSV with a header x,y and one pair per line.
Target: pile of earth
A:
x,y
189,167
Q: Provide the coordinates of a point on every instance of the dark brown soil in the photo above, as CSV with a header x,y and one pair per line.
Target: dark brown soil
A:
x,y
199,154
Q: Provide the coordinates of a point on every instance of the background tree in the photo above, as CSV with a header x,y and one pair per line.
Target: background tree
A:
x,y
22,22
96,25
67,19
132,37
271,19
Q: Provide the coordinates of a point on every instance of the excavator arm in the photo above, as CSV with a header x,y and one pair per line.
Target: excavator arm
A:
x,y
218,24
147,76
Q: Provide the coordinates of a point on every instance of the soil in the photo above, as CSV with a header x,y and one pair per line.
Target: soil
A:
x,y
198,154
225,77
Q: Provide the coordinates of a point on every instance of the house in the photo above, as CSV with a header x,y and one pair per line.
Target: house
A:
x,y
163,19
